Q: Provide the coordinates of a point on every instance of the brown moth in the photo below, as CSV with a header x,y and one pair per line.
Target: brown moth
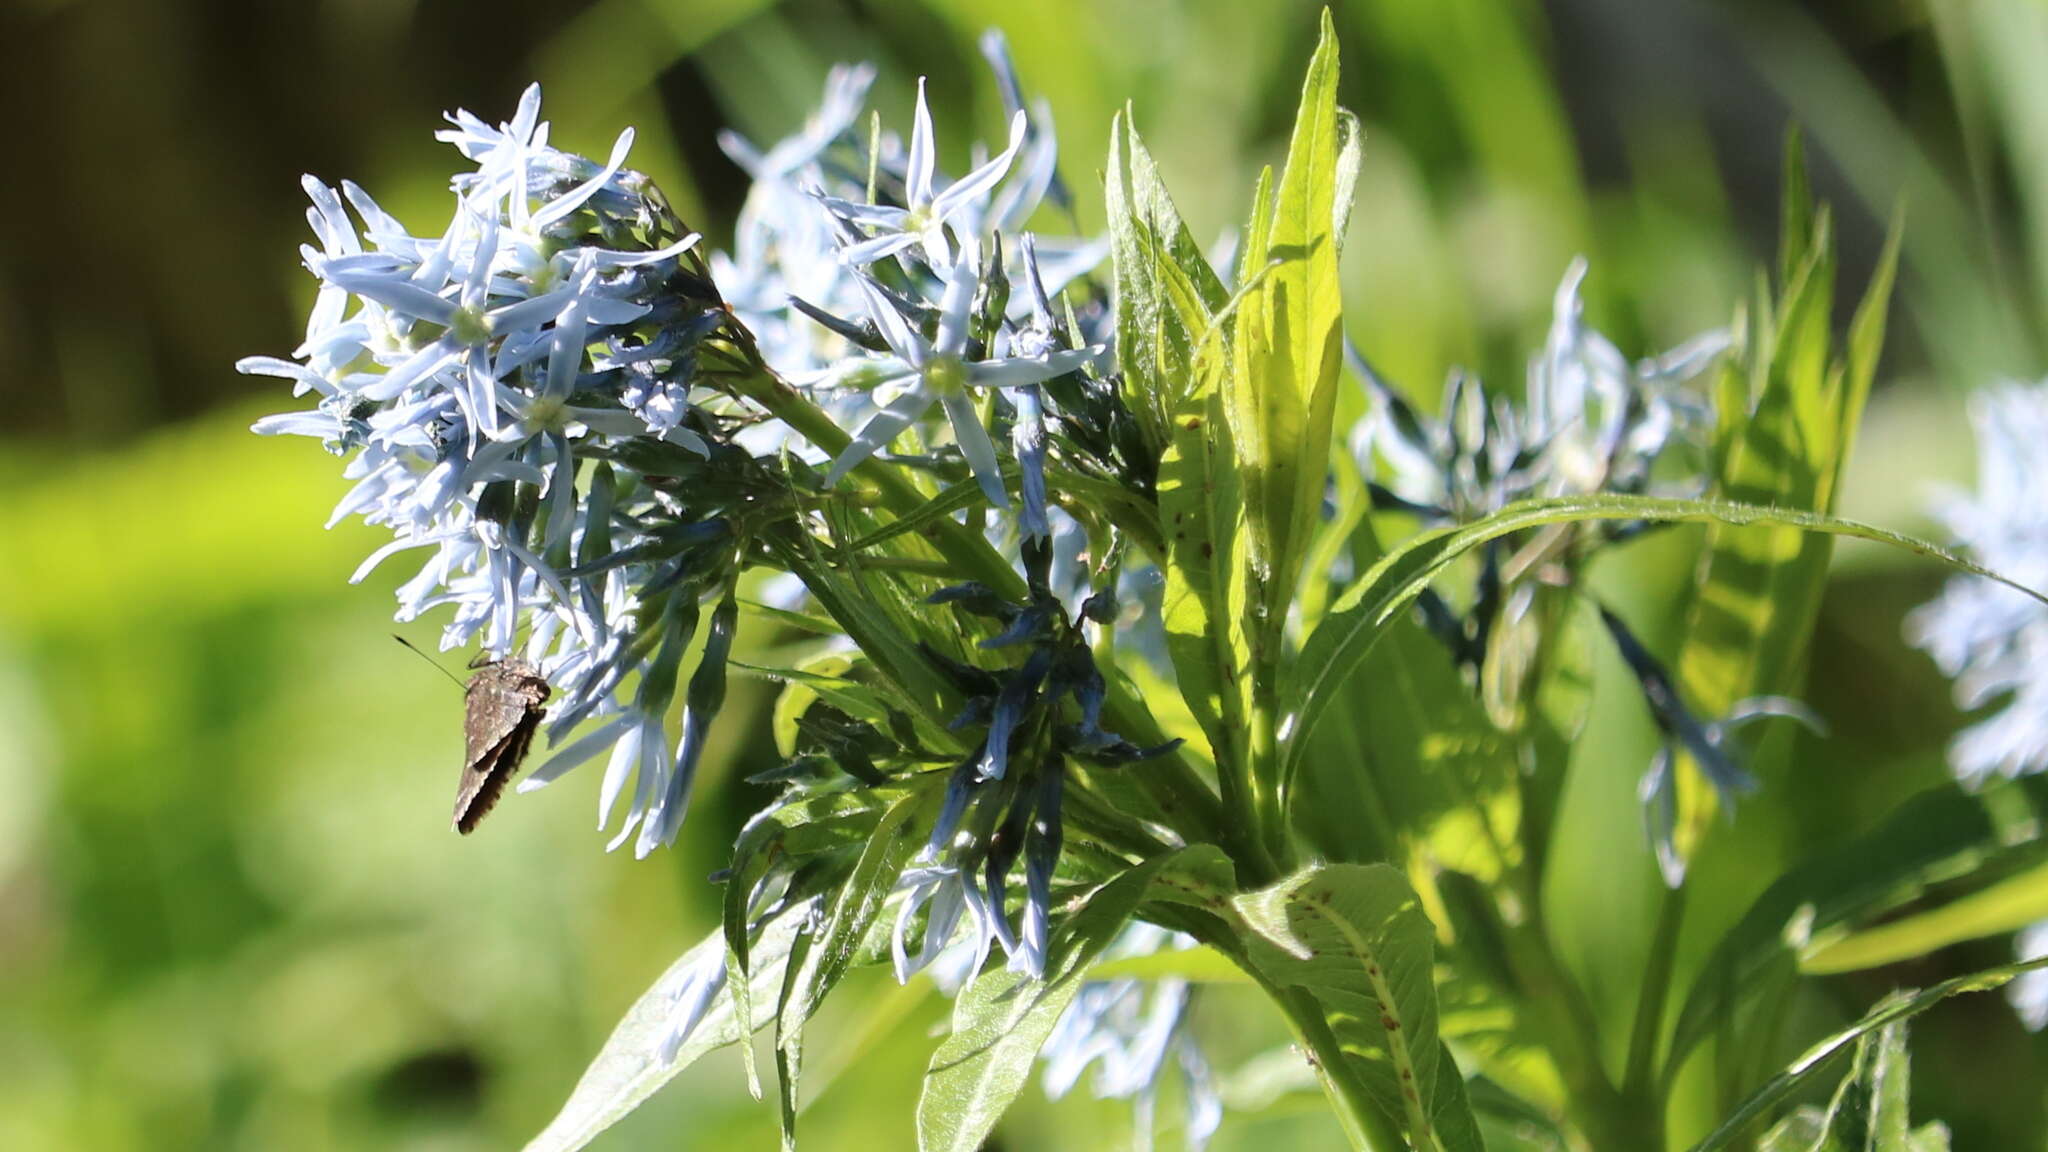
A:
x,y
503,709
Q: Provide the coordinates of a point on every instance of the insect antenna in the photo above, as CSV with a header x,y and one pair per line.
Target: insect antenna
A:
x,y
457,681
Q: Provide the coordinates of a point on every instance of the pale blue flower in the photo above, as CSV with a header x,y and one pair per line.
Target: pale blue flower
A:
x,y
1128,1031
1991,639
1593,421
921,373
930,204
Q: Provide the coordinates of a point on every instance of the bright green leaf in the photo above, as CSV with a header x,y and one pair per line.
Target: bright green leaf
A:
x,y
1354,936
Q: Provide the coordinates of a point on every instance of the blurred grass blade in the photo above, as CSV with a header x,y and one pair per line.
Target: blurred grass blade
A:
x,y
1931,838
1758,592
2004,907
1869,1112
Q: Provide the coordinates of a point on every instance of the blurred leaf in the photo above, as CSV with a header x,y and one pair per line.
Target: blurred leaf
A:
x,y
1201,964
1354,936
628,1069
2006,906
1934,836
1869,1112
1896,1008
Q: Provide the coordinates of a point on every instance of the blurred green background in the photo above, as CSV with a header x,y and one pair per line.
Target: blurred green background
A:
x,y
232,915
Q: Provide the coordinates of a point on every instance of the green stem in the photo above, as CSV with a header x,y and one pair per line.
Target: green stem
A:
x,y
1640,1078
1558,1012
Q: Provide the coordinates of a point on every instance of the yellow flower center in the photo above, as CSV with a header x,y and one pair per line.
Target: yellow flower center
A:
x,y
470,326
946,376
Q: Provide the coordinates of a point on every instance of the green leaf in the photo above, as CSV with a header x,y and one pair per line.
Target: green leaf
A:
x,y
627,1069
1201,965
1165,289
1002,1018
1898,1007
1359,619
801,621
952,498
1354,937
831,945
1205,575
1791,404
1281,392
1936,835
810,826
2003,907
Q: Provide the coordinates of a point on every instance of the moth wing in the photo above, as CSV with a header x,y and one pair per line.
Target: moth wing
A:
x,y
484,780
502,710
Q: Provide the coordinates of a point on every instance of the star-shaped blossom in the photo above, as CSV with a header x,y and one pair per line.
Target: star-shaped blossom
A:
x,y
938,371
1993,640
928,208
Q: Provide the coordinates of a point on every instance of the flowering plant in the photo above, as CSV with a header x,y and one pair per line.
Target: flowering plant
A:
x,y
1140,618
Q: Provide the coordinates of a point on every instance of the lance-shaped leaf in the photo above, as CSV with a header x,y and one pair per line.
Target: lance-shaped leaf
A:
x,y
1359,618
1002,1018
1207,578
1898,1007
830,947
1281,392
1165,290
1788,407
1354,936
1946,836
629,1068
1869,1111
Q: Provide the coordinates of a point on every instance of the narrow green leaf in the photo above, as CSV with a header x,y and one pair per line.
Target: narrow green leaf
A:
x,y
1205,582
1282,389
950,499
1866,340
1002,1018
1354,936
1165,289
801,621
812,825
1200,965
1933,836
1897,1007
2003,907
628,1070
1784,437
830,947
1359,618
